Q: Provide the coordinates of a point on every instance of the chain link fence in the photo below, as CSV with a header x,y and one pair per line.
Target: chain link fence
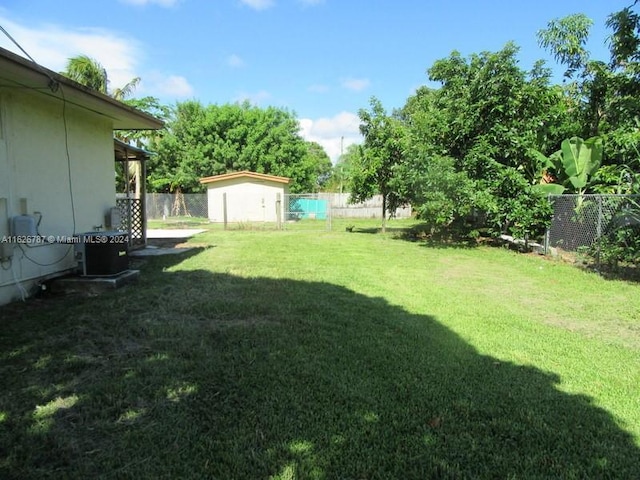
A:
x,y
307,211
314,211
372,208
605,227
163,206
320,209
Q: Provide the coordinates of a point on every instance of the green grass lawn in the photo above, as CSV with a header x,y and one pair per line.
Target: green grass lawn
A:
x,y
327,354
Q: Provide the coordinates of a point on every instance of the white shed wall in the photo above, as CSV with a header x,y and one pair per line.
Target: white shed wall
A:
x,y
248,200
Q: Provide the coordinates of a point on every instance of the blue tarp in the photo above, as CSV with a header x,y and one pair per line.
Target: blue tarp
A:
x,y
309,208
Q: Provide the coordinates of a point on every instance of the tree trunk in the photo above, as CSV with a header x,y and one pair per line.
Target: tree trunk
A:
x,y
384,213
179,208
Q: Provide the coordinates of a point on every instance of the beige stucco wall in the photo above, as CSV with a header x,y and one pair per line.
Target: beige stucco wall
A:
x,y
42,168
248,200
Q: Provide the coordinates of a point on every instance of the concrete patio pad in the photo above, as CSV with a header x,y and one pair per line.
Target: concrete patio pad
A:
x,y
164,236
173,232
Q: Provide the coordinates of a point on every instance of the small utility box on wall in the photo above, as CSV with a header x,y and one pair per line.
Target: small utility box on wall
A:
x,y
245,197
24,226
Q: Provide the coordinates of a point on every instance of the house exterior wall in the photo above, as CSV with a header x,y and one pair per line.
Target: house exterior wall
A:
x,y
247,200
57,171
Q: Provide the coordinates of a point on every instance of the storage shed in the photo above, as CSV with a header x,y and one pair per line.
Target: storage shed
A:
x,y
246,197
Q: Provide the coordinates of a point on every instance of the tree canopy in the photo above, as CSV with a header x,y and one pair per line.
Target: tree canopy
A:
x,y
471,153
373,170
210,140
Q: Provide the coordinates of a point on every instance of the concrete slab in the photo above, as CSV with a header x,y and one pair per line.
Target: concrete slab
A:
x,y
166,241
173,233
93,285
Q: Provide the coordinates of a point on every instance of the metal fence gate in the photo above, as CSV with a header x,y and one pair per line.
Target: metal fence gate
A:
x,y
307,211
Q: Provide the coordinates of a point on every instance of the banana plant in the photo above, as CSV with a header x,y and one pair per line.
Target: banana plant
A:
x,y
580,160
574,164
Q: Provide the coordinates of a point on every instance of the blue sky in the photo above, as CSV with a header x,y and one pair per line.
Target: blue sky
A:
x,y
322,59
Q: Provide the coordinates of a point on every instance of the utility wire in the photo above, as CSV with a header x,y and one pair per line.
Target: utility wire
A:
x,y
18,45
53,83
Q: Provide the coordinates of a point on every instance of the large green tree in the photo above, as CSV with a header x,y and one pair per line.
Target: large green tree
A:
x,y
487,99
317,156
605,93
486,117
372,171
341,172
210,140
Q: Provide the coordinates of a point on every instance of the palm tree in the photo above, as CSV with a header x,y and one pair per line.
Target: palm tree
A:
x,y
126,91
87,71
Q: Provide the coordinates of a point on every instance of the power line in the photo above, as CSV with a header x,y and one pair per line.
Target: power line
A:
x,y
53,83
18,45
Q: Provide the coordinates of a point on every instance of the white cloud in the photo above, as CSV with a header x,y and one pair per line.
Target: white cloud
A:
x,y
52,45
143,3
258,4
235,61
335,133
356,84
173,86
255,98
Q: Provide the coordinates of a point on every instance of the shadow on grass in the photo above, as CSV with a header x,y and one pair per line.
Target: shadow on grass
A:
x,y
627,273
177,242
191,374
418,233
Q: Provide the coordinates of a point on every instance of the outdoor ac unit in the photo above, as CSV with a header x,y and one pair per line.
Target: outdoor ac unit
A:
x,y
101,254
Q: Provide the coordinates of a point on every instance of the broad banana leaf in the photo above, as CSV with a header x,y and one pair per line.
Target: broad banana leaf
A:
x,y
580,159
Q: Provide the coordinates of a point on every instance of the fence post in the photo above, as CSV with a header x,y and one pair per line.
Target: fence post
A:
x,y
599,231
224,209
278,211
546,241
547,232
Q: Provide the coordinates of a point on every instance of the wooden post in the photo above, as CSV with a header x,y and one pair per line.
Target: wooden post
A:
x,y
224,209
278,211
143,199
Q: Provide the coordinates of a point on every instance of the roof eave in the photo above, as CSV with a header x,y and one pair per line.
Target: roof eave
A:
x,y
246,174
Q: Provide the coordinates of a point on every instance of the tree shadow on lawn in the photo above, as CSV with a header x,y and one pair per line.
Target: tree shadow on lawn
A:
x,y
198,375
417,233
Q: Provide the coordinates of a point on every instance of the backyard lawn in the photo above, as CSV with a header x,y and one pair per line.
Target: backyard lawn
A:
x,y
327,354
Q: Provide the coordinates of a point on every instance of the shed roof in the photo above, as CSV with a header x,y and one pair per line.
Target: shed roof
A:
x,y
18,72
245,174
